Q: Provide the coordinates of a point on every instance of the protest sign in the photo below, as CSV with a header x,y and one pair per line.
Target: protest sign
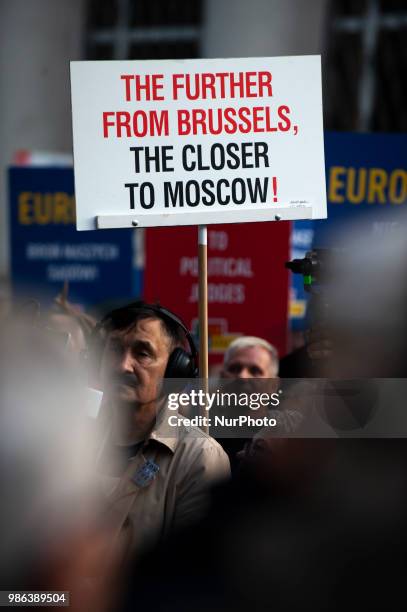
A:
x,y
366,178
247,280
197,142
46,250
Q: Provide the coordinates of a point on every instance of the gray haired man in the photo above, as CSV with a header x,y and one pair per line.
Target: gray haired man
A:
x,y
250,357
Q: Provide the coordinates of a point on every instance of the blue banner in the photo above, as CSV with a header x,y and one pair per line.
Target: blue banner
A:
x,y
366,180
46,249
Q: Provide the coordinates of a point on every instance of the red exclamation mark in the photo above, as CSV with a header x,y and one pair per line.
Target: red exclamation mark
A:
x,y
275,188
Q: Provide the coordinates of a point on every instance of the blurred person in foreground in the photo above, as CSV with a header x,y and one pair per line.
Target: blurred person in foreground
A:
x,y
363,341
54,531
160,473
340,539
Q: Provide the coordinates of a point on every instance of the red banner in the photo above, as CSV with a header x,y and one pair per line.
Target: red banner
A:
x,y
247,281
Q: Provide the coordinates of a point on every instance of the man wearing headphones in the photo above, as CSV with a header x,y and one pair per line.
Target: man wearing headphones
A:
x,y
156,475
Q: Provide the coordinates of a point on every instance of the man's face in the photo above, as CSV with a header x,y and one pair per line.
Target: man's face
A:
x,y
253,362
134,362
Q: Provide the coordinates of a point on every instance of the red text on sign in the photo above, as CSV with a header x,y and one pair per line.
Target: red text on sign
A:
x,y
208,85
140,123
230,120
143,86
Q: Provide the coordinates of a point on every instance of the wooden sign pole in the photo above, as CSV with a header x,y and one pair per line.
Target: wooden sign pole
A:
x,y
203,309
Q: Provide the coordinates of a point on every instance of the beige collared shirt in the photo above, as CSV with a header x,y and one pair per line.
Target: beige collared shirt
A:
x,y
189,462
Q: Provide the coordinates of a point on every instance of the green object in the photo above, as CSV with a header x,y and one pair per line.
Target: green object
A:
x,y
307,279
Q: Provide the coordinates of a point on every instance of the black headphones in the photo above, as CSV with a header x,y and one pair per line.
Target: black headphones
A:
x,y
181,363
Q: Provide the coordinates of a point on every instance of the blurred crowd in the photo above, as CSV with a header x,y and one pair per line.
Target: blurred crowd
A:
x,y
102,499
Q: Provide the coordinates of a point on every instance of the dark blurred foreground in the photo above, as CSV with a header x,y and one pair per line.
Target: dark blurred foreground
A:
x,y
304,524
324,529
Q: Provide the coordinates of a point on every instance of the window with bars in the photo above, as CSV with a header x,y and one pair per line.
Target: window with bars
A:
x,y
366,63
143,29
365,86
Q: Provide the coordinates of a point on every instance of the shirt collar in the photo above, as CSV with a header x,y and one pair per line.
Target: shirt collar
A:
x,y
163,432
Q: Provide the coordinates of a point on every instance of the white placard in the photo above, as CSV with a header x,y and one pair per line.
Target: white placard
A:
x,y
185,142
